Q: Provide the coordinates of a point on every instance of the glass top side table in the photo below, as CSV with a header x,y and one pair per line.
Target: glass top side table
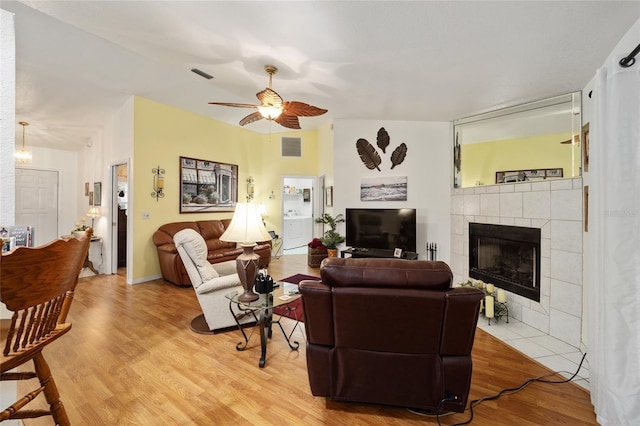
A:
x,y
262,311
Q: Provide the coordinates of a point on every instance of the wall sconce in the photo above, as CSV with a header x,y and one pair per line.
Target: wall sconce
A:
x,y
251,188
158,183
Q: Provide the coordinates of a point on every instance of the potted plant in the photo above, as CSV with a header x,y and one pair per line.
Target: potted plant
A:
x,y
331,237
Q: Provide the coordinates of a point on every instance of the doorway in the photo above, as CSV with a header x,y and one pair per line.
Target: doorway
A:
x,y
298,194
37,203
119,221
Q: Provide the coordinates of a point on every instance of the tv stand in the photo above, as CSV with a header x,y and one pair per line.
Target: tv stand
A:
x,y
357,252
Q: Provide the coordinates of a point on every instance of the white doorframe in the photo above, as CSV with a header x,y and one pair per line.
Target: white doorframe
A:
x,y
314,198
113,219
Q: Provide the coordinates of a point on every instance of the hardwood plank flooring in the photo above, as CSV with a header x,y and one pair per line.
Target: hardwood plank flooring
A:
x,y
131,359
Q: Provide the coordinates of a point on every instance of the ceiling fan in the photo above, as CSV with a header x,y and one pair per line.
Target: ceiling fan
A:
x,y
576,141
272,107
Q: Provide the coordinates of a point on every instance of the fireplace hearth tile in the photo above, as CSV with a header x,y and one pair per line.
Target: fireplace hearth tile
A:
x,y
565,327
541,186
530,348
566,235
556,346
511,205
566,297
566,266
566,204
537,205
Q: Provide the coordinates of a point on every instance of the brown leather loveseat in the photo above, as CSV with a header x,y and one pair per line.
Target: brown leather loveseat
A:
x,y
171,265
390,331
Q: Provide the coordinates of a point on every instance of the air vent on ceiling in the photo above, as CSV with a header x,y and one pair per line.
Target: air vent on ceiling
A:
x,y
291,147
201,73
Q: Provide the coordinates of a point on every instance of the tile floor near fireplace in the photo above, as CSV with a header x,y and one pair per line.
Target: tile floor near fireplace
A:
x,y
547,350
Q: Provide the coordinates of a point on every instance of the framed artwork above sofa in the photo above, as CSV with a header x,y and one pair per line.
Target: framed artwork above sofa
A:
x,y
207,186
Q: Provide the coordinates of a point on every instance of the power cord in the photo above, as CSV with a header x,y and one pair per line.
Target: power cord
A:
x,y
515,390
511,391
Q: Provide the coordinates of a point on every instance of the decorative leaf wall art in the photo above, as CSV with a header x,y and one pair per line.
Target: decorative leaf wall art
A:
x,y
383,139
370,156
398,155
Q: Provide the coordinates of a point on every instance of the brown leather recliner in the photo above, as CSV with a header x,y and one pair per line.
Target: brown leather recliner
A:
x,y
171,265
390,331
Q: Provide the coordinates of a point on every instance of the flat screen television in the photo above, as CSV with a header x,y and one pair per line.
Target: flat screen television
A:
x,y
381,228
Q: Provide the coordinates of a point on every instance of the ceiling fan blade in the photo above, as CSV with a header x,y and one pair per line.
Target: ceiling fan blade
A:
x,y
290,121
233,104
251,118
269,97
576,140
301,109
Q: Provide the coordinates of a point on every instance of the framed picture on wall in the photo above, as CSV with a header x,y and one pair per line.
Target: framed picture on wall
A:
x,y
329,195
91,198
86,189
97,194
207,186
391,188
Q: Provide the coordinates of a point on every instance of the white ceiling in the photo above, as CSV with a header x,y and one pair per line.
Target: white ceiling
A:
x,y
77,61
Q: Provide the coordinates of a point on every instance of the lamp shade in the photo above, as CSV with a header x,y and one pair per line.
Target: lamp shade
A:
x,y
93,212
246,225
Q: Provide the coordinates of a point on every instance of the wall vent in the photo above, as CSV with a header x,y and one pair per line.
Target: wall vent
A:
x,y
291,147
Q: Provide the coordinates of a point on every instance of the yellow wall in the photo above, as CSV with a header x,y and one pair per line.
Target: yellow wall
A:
x,y
481,161
274,167
162,134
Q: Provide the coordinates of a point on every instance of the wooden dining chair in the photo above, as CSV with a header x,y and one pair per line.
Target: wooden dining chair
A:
x,y
37,287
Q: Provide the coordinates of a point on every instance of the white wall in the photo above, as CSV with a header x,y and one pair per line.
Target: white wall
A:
x,y
8,392
112,145
59,161
427,167
7,117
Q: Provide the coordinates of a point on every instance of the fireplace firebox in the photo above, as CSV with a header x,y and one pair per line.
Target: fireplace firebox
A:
x,y
507,256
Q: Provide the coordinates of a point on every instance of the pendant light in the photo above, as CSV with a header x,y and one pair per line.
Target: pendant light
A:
x,y
23,156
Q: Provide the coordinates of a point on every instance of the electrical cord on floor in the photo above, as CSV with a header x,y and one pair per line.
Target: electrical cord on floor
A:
x,y
513,390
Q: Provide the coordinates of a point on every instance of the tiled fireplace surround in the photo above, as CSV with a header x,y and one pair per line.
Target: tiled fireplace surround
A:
x,y
556,208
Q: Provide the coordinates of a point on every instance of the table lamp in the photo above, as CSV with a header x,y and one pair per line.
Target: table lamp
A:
x,y
246,228
93,213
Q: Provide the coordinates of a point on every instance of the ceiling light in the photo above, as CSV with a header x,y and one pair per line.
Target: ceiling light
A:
x,y
270,112
23,156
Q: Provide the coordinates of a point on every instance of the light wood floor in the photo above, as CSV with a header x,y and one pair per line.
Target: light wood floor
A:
x,y
131,359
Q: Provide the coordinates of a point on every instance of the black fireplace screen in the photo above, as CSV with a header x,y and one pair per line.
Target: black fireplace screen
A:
x,y
507,256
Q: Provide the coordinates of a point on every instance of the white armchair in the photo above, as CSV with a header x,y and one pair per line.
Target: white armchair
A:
x,y
211,283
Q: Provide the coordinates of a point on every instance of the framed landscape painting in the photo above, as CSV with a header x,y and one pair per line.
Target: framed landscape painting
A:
x,y
207,186
392,188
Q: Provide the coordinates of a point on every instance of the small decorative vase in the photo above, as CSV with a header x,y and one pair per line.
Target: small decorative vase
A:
x,y
332,252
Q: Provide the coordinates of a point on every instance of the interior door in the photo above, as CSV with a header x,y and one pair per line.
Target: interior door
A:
x,y
37,203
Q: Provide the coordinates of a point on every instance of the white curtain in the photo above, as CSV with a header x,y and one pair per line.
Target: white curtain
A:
x,y
613,245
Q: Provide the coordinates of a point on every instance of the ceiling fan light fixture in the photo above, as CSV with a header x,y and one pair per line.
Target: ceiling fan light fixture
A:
x,y
23,156
270,112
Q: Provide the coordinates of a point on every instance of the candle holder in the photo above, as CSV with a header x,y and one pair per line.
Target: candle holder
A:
x,y
495,296
500,310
